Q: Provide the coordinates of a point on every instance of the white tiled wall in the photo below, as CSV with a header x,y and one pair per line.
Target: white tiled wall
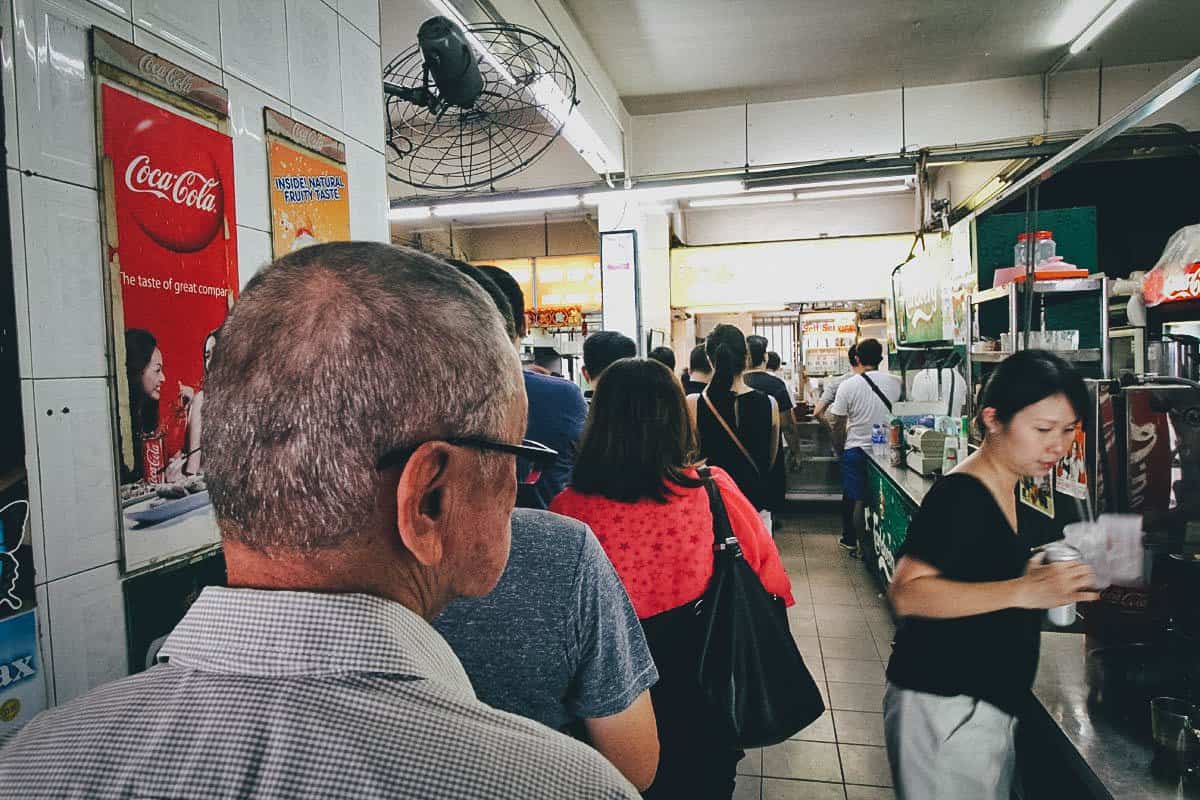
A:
x,y
312,56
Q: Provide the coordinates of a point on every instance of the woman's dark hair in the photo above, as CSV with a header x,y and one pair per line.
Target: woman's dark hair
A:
x,y
139,349
215,335
1027,377
664,355
489,285
639,437
698,361
774,362
512,293
757,347
726,348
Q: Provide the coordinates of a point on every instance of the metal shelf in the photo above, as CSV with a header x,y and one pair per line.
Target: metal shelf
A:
x,y
1041,287
1086,355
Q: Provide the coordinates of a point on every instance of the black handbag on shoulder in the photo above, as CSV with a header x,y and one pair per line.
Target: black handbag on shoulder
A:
x,y
750,668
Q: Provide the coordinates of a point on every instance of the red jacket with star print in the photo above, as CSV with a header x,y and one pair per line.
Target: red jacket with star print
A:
x,y
663,551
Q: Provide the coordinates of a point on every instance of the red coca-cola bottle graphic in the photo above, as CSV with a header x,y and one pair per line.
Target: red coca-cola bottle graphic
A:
x,y
154,460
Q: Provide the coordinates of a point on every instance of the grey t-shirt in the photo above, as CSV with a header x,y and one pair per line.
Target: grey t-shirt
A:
x,y
557,640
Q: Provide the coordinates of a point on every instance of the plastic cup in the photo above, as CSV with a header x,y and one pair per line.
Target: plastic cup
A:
x,y
1176,739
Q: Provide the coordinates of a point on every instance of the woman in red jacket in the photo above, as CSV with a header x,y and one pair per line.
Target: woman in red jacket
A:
x,y
637,486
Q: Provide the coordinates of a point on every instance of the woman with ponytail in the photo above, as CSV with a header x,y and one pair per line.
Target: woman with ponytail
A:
x,y
738,426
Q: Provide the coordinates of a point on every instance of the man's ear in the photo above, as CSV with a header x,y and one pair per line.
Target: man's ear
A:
x,y
421,497
586,377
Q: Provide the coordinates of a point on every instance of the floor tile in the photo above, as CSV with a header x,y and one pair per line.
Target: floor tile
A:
x,y
859,727
852,670
819,731
855,697
885,650
843,627
805,626
812,643
778,789
865,765
822,611
870,598
752,763
748,787
803,761
836,595
882,616
881,629
837,647
869,793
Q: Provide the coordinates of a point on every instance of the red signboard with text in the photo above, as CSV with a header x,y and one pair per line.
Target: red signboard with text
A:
x,y
170,229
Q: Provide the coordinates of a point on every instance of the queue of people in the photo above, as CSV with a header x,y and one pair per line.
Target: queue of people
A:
x,y
392,627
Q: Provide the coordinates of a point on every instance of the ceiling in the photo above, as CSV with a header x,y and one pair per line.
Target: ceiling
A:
x,y
674,55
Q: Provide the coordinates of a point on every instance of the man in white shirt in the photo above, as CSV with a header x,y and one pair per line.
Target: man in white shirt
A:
x,y
861,403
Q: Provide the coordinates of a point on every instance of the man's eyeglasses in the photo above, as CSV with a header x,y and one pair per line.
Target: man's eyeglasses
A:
x,y
532,457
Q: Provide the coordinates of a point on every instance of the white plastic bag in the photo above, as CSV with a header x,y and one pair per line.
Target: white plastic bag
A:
x,y
1112,547
1176,276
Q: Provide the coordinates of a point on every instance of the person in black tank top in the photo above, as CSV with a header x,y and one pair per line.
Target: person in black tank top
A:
x,y
970,598
737,425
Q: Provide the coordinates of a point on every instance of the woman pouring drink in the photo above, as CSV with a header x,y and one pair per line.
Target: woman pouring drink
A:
x,y
970,593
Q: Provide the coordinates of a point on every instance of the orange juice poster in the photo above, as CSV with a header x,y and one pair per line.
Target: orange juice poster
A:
x,y
310,198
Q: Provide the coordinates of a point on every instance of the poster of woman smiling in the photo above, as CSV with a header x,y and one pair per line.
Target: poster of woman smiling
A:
x,y
171,256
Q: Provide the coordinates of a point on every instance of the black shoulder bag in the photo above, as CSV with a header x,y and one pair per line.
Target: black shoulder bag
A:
x,y
750,668
878,393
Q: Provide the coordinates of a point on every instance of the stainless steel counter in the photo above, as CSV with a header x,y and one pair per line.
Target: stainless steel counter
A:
x,y
1114,756
914,486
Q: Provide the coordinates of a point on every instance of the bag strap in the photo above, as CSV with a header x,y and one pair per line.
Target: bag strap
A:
x,y
722,530
775,432
880,394
708,401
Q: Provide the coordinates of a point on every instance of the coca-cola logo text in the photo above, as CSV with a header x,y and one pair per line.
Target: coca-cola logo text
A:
x,y
1143,437
306,136
189,188
177,79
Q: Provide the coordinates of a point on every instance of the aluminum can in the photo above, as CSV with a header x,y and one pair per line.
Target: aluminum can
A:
x,y
1053,553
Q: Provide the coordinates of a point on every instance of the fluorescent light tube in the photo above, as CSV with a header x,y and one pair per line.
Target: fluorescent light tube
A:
x,y
1098,25
837,182
864,191
481,207
401,213
679,191
742,200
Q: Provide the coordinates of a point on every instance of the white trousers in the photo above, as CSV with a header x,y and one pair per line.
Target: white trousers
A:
x,y
948,748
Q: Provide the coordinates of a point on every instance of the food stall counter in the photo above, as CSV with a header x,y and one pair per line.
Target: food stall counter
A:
x,y
894,493
1106,756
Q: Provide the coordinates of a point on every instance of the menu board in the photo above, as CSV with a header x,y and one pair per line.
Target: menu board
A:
x,y
170,231
568,281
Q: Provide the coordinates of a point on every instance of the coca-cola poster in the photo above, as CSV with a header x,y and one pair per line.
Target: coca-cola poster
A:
x,y
310,196
1148,457
170,232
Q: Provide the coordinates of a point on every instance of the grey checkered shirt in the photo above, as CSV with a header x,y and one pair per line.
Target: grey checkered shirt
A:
x,y
297,695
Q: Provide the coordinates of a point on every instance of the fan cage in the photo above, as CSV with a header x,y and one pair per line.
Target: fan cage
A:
x,y
529,94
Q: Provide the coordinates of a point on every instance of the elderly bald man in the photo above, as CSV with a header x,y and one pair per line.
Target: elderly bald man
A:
x,y
359,488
